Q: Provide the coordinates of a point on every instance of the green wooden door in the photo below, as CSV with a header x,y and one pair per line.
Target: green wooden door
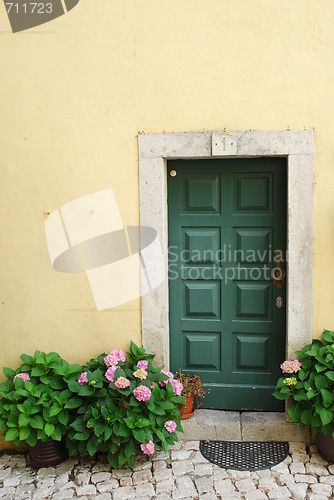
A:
x,y
227,227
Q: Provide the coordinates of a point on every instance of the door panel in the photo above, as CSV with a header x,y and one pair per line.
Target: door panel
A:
x,y
226,219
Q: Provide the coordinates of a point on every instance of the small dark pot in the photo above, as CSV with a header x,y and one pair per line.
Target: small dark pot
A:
x,y
325,445
47,454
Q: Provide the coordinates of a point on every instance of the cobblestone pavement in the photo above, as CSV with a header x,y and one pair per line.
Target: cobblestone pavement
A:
x,y
182,473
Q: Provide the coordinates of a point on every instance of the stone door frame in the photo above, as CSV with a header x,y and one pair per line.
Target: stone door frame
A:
x,y
297,146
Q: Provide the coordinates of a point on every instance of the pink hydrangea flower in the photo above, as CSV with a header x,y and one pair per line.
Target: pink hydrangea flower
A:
x,y
114,357
122,383
83,378
291,366
143,364
177,387
148,448
141,373
142,393
24,376
170,378
110,373
170,426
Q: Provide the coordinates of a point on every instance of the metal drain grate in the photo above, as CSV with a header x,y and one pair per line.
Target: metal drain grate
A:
x,y
243,455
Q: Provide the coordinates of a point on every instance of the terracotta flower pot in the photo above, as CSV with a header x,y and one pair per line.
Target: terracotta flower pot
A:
x,y
325,445
189,410
48,453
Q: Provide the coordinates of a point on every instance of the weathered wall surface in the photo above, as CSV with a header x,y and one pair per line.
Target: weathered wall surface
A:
x,y
75,92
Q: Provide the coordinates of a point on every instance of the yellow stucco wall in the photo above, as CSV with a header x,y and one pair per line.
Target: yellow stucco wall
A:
x,y
75,93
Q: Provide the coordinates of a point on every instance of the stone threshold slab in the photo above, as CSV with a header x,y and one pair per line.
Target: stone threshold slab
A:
x,y
243,426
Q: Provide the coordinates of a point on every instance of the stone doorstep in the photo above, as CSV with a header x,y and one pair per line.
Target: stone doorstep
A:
x,y
242,426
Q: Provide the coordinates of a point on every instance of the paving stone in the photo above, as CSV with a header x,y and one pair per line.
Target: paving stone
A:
x,y
143,465
281,468
184,488
163,496
305,478
125,481
191,445
182,467
7,492
47,482
199,459
181,455
5,473
208,496
262,473
107,486
63,495
86,489
313,496
165,486
178,445
297,468
318,470
300,457
231,495
318,459
103,496
267,483
297,447
223,486
101,467
162,474
239,474
161,455
141,477
255,495
42,494
25,488
298,491
245,485
99,477
285,479
321,489
331,469
61,480
124,493
118,473
327,480
219,473
145,490
280,492
46,472
204,485
65,486
203,469
160,464
11,481
83,478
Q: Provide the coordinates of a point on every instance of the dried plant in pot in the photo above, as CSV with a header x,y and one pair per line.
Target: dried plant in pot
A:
x,y
192,390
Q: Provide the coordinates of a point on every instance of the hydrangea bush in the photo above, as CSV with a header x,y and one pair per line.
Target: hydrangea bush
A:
x,y
308,384
129,407
36,403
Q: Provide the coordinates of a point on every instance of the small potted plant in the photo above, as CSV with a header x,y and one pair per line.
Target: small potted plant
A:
x,y
192,390
308,385
37,407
